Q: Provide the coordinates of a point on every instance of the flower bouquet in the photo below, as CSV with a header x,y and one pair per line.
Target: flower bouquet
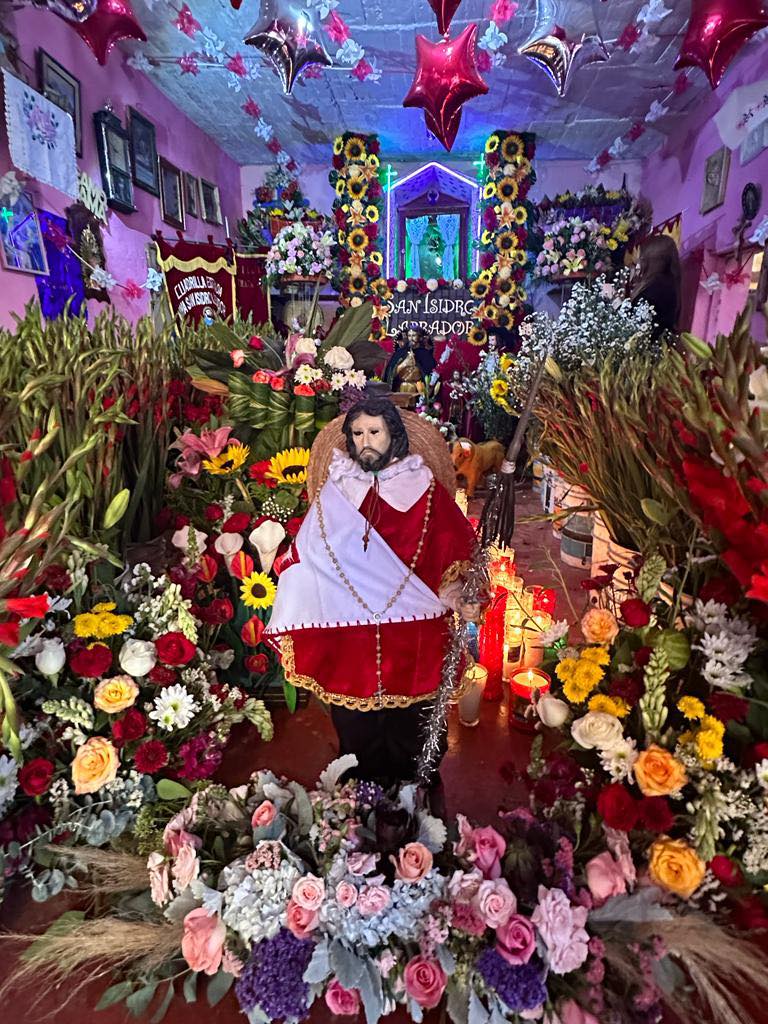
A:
x,y
300,251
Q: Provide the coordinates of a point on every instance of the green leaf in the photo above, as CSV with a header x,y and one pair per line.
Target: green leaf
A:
x,y
353,325
655,511
115,994
218,987
116,508
190,987
289,692
138,1001
696,346
162,1009
167,789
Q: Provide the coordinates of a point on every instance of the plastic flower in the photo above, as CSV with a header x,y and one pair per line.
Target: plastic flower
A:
x,y
511,148
690,707
492,144
507,189
257,591
358,240
289,466
229,461
175,707
355,149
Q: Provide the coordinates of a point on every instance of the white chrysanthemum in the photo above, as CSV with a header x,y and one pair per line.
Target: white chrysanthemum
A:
x,y
308,374
9,773
761,771
619,761
355,378
338,381
556,632
175,707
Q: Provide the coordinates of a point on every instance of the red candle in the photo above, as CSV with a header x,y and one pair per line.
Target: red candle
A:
x,y
545,600
492,646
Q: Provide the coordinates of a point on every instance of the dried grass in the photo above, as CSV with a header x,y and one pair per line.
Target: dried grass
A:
x,y
109,872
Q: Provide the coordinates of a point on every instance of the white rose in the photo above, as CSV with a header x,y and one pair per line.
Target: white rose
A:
x,y
304,347
137,657
355,301
458,284
180,539
551,711
51,657
339,358
432,285
228,544
597,729
401,286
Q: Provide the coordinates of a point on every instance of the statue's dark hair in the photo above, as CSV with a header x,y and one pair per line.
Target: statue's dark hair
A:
x,y
398,448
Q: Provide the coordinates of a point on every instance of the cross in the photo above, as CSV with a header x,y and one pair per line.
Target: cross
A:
x,y
7,214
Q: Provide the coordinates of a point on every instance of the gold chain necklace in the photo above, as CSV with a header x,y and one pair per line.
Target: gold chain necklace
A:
x,y
377,616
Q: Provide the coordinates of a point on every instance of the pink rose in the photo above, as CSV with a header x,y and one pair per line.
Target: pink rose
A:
x,y
264,814
344,1002
186,867
362,863
464,885
346,894
605,878
175,834
237,355
203,941
413,862
495,902
309,892
465,844
425,981
159,880
516,940
372,900
299,920
489,848
571,1013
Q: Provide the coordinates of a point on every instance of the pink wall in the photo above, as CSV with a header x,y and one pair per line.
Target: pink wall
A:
x,y
178,139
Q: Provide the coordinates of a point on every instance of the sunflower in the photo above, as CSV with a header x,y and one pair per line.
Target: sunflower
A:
x,y
504,320
372,213
357,188
358,284
519,215
477,336
358,240
338,146
506,241
488,312
505,286
486,275
289,466
373,162
228,461
520,257
512,146
499,389
355,149
342,237
489,192
487,237
522,294
479,288
341,187
257,591
381,288
508,189
492,144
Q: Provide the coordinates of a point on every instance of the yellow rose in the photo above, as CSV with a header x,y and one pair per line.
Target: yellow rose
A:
x,y
658,772
95,765
675,866
599,626
116,694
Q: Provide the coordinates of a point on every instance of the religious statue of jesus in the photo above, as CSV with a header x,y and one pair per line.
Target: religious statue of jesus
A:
x,y
364,599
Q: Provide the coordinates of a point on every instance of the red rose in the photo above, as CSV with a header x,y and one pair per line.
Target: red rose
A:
x,y
217,612
131,726
162,676
35,776
236,523
180,522
728,707
618,807
150,757
256,664
726,871
635,613
90,662
277,383
174,649
656,814
213,513
256,343
293,525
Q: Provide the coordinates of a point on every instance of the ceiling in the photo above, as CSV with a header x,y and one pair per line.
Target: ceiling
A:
x,y
602,101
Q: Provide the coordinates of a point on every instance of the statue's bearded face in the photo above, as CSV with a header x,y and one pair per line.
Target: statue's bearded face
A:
x,y
372,442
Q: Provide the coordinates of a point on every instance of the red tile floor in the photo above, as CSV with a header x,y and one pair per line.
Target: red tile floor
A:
x,y
304,743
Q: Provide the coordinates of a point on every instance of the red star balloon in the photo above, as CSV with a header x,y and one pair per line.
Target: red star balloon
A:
x,y
717,31
446,77
445,10
111,21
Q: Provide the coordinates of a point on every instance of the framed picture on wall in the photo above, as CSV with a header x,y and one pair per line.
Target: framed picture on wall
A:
x,y
143,152
171,194
715,179
63,89
22,242
114,160
191,195
209,195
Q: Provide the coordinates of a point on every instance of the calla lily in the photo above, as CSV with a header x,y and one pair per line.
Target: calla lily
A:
x,y
266,538
551,711
228,544
181,540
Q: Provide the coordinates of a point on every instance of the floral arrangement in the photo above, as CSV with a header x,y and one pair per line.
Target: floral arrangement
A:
x,y
487,391
423,285
357,210
300,249
277,201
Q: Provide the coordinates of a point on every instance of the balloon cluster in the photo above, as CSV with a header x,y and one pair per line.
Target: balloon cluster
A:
x,y
99,23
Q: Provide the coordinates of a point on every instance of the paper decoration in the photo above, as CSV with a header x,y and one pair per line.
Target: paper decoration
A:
x,y
92,196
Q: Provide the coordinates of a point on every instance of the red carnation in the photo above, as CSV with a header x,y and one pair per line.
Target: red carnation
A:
x,y
754,755
56,578
130,727
236,523
635,613
213,513
28,607
618,807
293,525
728,707
217,612
259,470
643,656
162,676
656,814
90,662
35,776
150,757
256,664
180,521
174,649
722,589
726,871
629,687
9,633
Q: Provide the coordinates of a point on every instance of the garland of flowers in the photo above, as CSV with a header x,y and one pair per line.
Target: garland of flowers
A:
x,y
507,218
357,210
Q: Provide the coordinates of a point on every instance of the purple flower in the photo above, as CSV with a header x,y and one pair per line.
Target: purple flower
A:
x,y
368,793
272,978
519,987
201,756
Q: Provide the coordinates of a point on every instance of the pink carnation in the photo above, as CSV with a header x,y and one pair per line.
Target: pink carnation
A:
x,y
362,863
561,927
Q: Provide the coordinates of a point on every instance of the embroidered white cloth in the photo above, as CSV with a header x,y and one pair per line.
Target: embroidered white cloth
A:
x,y
310,592
401,483
41,136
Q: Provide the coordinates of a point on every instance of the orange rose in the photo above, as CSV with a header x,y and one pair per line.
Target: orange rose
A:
x,y
676,867
95,765
599,626
115,694
658,773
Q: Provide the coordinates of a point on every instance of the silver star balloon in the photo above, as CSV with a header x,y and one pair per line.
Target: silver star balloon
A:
x,y
285,34
561,57
70,10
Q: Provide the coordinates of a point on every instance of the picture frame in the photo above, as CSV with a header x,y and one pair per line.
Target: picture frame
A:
x,y
62,88
114,151
210,202
144,166
171,193
715,179
22,248
191,195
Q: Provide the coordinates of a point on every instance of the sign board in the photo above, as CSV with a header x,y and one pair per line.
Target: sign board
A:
x,y
92,196
441,313
199,278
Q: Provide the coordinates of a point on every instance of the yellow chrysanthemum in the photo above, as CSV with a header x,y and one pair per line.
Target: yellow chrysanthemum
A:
x,y
358,240
507,189
289,466
372,213
489,192
499,389
111,625
357,188
709,746
520,215
486,238
104,606
512,146
477,336
612,244
597,655
492,144
355,149
338,146
576,692
479,288
691,707
609,705
565,669
257,591
341,187
86,624
712,724
587,674
229,461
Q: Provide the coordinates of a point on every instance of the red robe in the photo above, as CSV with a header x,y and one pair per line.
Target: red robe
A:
x,y
338,664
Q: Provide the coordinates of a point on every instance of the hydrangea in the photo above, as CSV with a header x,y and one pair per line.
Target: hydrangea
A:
x,y
272,980
255,902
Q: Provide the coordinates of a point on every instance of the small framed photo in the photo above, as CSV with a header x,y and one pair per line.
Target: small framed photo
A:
x,y
715,179
191,195
23,248
211,202
114,160
171,194
63,89
143,152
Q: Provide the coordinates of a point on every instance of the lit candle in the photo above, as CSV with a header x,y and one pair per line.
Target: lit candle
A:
x,y
473,684
526,680
513,651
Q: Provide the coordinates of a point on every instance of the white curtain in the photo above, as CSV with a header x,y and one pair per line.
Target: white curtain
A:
x,y
448,225
416,228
